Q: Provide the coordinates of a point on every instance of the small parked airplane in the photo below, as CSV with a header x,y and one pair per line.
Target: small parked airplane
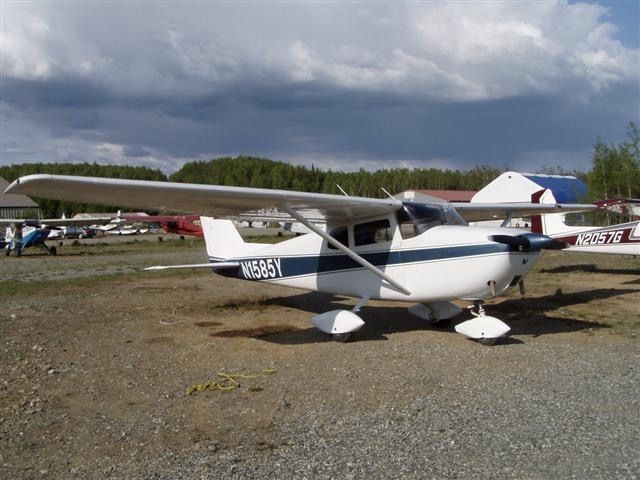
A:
x,y
178,224
621,239
628,207
372,248
26,233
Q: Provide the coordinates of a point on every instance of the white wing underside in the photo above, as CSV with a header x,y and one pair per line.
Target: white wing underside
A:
x,y
224,201
210,200
476,212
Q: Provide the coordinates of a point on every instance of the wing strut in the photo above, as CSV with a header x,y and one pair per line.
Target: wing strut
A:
x,y
350,253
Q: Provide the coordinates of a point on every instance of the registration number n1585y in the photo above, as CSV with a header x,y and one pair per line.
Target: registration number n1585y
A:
x,y
261,269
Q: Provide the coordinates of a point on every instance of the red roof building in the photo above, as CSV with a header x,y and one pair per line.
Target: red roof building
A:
x,y
437,196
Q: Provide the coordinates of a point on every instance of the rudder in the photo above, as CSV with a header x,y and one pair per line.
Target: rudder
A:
x,y
223,241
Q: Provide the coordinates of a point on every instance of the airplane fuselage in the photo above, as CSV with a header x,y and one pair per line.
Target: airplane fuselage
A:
x,y
443,263
621,239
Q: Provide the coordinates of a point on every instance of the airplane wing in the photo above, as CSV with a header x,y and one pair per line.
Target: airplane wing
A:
x,y
224,201
213,200
621,206
475,212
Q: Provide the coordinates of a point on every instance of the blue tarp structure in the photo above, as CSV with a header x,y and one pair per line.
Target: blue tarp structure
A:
x,y
564,189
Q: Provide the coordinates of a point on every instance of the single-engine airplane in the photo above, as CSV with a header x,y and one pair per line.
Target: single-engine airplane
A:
x,y
178,224
627,207
24,233
372,248
621,239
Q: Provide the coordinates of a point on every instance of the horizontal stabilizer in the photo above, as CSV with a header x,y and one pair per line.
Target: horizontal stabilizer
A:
x,y
215,266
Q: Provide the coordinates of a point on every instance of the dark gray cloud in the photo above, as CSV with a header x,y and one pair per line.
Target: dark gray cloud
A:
x,y
340,86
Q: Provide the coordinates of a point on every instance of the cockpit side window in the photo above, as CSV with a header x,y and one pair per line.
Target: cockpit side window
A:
x,y
341,234
378,231
415,218
406,226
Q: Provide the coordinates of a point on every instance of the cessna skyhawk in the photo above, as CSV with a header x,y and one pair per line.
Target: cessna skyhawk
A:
x,y
372,248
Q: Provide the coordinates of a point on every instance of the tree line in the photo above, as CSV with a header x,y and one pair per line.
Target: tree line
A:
x,y
246,171
615,173
615,170
264,173
55,208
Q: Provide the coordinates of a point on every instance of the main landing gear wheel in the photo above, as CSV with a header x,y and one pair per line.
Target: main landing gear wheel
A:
x,y
342,337
53,251
484,329
444,324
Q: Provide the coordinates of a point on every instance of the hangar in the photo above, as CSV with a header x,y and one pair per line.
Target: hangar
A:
x,y
518,187
436,196
16,205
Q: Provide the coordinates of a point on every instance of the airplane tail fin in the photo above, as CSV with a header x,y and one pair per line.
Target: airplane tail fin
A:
x,y
549,223
223,240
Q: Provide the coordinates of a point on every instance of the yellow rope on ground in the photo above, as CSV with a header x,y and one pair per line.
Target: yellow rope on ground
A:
x,y
229,382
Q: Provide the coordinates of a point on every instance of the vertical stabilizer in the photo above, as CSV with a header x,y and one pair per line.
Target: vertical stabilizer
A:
x,y
549,223
223,240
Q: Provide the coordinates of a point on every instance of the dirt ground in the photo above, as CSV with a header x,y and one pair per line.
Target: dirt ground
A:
x,y
98,357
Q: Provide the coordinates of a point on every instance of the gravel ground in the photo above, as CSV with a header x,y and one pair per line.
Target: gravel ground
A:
x,y
95,369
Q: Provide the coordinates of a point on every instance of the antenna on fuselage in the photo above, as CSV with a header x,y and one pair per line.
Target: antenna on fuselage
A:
x,y
343,192
390,196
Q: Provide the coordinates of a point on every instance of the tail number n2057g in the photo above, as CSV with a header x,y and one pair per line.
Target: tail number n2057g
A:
x,y
261,269
599,238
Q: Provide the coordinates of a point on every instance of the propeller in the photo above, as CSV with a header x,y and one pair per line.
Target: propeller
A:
x,y
529,242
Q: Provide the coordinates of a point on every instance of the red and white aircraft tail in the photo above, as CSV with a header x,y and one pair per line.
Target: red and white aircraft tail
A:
x,y
622,239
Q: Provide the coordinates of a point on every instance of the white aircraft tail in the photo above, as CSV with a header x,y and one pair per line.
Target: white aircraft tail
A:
x,y
223,240
549,223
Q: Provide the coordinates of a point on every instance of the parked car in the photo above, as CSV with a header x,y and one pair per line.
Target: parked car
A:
x,y
79,232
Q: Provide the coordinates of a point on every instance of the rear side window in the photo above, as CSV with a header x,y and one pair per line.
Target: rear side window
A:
x,y
378,231
341,234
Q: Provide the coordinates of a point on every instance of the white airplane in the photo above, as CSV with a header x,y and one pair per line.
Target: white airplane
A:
x,y
372,248
621,239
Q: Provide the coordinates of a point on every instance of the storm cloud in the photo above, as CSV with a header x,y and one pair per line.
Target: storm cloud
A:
x,y
341,86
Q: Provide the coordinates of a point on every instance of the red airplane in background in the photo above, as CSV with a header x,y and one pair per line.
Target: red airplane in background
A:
x,y
628,207
179,224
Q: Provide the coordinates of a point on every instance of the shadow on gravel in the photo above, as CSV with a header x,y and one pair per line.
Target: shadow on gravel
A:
x,y
591,268
525,317
539,305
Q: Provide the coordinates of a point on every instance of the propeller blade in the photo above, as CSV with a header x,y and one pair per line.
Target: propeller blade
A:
x,y
529,242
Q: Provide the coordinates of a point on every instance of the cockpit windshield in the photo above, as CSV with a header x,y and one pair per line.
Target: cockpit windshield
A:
x,y
416,218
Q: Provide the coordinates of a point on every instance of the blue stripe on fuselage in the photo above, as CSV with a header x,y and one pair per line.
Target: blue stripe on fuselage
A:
x,y
266,268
